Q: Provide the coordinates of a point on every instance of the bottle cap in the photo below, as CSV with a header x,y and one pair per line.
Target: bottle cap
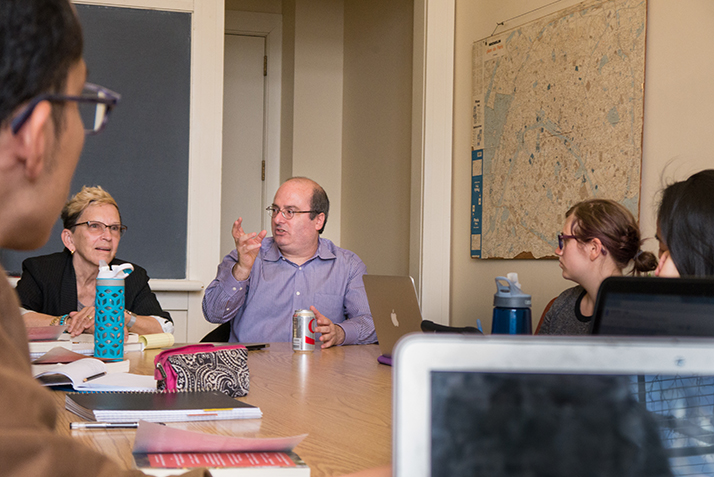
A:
x,y
118,271
509,294
513,276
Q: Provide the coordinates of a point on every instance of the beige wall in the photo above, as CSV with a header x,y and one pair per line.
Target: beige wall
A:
x,y
346,109
376,133
287,93
311,93
679,98
262,6
317,100
679,114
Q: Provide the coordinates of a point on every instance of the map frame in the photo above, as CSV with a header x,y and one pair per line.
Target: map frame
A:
x,y
558,115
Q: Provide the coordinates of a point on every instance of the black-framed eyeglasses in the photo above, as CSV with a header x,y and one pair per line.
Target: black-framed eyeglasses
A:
x,y
562,238
98,228
95,104
287,213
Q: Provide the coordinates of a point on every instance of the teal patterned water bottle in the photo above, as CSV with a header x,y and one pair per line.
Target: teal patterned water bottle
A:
x,y
109,311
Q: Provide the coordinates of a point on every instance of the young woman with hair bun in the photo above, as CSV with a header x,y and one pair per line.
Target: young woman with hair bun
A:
x,y
600,239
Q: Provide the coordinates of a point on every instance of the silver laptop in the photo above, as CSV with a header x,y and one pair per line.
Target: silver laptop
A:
x,y
525,405
394,306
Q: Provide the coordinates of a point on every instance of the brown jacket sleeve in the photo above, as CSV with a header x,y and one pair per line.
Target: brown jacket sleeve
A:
x,y
28,443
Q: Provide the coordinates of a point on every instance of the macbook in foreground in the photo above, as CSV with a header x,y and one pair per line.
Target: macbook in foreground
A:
x,y
394,306
652,306
556,406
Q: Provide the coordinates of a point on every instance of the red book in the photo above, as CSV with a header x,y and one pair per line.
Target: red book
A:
x,y
245,464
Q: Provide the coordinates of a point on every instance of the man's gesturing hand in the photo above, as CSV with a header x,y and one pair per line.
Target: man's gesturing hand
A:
x,y
247,246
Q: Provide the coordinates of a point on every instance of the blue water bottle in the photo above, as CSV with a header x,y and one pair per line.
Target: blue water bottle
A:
x,y
109,311
512,308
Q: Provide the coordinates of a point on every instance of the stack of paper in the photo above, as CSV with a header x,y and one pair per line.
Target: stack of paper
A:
x,y
44,338
82,344
39,348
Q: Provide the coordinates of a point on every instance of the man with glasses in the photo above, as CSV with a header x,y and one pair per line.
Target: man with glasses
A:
x,y
42,77
262,281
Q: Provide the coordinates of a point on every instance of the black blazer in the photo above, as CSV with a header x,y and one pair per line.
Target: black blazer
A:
x,y
48,285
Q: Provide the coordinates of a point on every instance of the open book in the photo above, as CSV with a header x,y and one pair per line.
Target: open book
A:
x,y
90,374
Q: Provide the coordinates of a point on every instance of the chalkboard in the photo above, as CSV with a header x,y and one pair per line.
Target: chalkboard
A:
x,y
141,158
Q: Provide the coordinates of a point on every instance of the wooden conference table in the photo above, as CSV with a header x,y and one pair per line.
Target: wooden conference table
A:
x,y
340,397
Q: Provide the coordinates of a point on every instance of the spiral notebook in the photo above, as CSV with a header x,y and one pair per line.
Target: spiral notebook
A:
x,y
159,407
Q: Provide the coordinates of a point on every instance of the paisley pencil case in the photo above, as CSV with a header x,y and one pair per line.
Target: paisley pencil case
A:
x,y
203,367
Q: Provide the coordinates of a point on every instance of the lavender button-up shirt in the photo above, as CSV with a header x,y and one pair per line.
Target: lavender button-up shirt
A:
x,y
262,306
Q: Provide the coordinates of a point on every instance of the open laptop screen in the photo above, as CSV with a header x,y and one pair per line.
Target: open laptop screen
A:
x,y
497,405
648,306
507,424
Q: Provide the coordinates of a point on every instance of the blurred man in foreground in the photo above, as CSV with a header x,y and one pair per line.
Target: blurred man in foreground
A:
x,y
42,83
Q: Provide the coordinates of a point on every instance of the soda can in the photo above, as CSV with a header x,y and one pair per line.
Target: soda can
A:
x,y
303,330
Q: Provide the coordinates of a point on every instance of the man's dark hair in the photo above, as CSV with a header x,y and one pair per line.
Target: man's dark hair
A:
x,y
319,204
686,221
39,41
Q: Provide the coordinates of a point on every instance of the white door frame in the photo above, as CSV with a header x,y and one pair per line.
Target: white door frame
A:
x,y
270,26
432,143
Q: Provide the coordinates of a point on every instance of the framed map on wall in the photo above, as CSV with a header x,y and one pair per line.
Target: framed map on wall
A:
x,y
557,118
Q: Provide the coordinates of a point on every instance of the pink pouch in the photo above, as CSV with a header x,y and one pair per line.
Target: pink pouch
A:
x,y
203,367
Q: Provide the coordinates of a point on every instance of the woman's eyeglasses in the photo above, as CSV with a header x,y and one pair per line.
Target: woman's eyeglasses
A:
x,y
562,238
98,228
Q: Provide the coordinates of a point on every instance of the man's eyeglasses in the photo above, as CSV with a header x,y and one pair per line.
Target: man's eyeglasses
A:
x,y
562,238
98,228
95,104
287,213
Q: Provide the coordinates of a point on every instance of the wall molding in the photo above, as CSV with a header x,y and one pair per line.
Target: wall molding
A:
x,y
432,143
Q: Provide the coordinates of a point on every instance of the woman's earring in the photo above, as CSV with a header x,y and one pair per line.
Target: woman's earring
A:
x,y
71,252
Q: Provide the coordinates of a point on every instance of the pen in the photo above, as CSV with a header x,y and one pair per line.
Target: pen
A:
x,y
99,375
103,425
